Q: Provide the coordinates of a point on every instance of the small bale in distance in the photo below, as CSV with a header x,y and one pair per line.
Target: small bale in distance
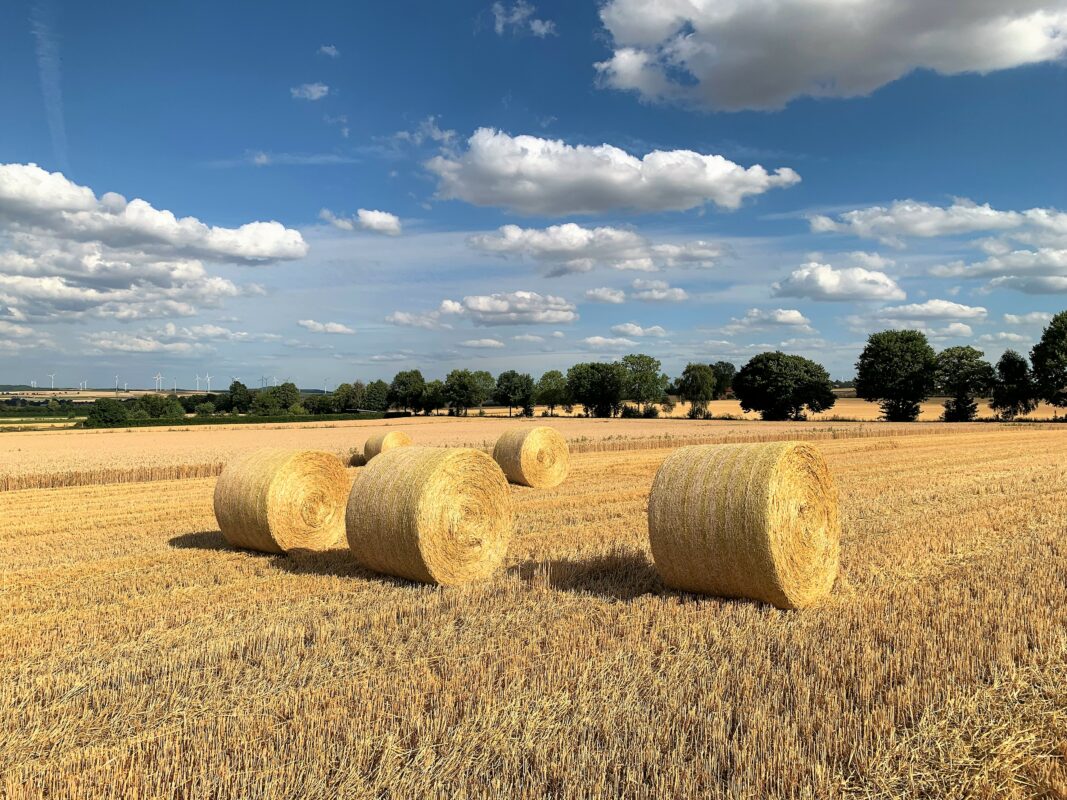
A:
x,y
276,500
430,514
381,442
536,457
755,521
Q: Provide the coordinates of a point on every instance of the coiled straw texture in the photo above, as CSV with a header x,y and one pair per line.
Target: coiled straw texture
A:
x,y
757,521
536,457
280,500
430,514
381,442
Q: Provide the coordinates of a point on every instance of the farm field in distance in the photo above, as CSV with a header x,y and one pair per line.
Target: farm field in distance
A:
x,y
142,656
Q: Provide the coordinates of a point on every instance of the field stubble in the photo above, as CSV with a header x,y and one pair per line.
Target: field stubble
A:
x,y
142,657
49,459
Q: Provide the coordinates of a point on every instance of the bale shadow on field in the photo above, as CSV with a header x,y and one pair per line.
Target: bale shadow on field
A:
x,y
202,540
617,576
338,563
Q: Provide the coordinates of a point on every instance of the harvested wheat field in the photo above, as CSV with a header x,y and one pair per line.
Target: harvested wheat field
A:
x,y
46,459
141,656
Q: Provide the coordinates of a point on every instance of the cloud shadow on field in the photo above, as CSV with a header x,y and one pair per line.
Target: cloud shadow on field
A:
x,y
618,576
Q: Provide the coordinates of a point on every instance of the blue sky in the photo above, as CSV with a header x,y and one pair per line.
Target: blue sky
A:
x,y
521,185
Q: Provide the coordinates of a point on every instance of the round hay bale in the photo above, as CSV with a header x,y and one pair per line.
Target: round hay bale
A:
x,y
430,514
280,500
536,457
380,442
757,521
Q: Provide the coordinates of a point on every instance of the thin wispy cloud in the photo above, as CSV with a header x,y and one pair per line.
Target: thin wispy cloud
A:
x,y
42,23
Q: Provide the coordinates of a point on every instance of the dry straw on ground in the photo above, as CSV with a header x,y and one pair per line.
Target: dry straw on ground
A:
x,y
536,457
430,514
757,521
280,500
381,442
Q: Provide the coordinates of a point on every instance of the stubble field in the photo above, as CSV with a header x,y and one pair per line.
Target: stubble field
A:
x,y
140,656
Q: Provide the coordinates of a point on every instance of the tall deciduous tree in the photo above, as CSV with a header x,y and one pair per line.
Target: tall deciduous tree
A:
x,y
597,387
645,384
462,391
724,378
240,397
551,390
1049,360
896,369
781,386
514,389
376,397
1014,393
405,391
696,386
963,374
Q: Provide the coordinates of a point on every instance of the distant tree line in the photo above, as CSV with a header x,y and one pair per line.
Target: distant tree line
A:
x,y
898,369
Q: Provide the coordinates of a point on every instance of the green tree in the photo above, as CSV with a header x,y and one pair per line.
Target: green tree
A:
x,y
696,386
376,397
205,409
320,404
551,390
287,394
484,385
461,391
106,413
596,386
514,389
265,403
1014,392
433,397
342,399
359,395
297,410
963,375
1049,360
781,386
896,369
724,378
405,391
240,398
643,383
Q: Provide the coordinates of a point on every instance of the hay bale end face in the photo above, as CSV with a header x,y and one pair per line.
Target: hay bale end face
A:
x,y
280,500
430,514
756,521
536,457
381,442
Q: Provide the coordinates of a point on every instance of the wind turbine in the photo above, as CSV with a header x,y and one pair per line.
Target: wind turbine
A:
x,y
275,379
325,383
159,382
33,384
116,384
124,385
52,375
175,385
198,383
207,377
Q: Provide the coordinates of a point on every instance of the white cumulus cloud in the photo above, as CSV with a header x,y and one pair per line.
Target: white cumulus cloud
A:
x,y
65,252
569,248
658,292
504,308
324,327
933,309
329,50
605,294
482,344
1030,318
519,17
633,329
366,220
761,55
822,282
607,342
532,175
756,318
310,91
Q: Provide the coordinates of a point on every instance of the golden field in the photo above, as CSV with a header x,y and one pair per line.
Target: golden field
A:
x,y
45,459
142,657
